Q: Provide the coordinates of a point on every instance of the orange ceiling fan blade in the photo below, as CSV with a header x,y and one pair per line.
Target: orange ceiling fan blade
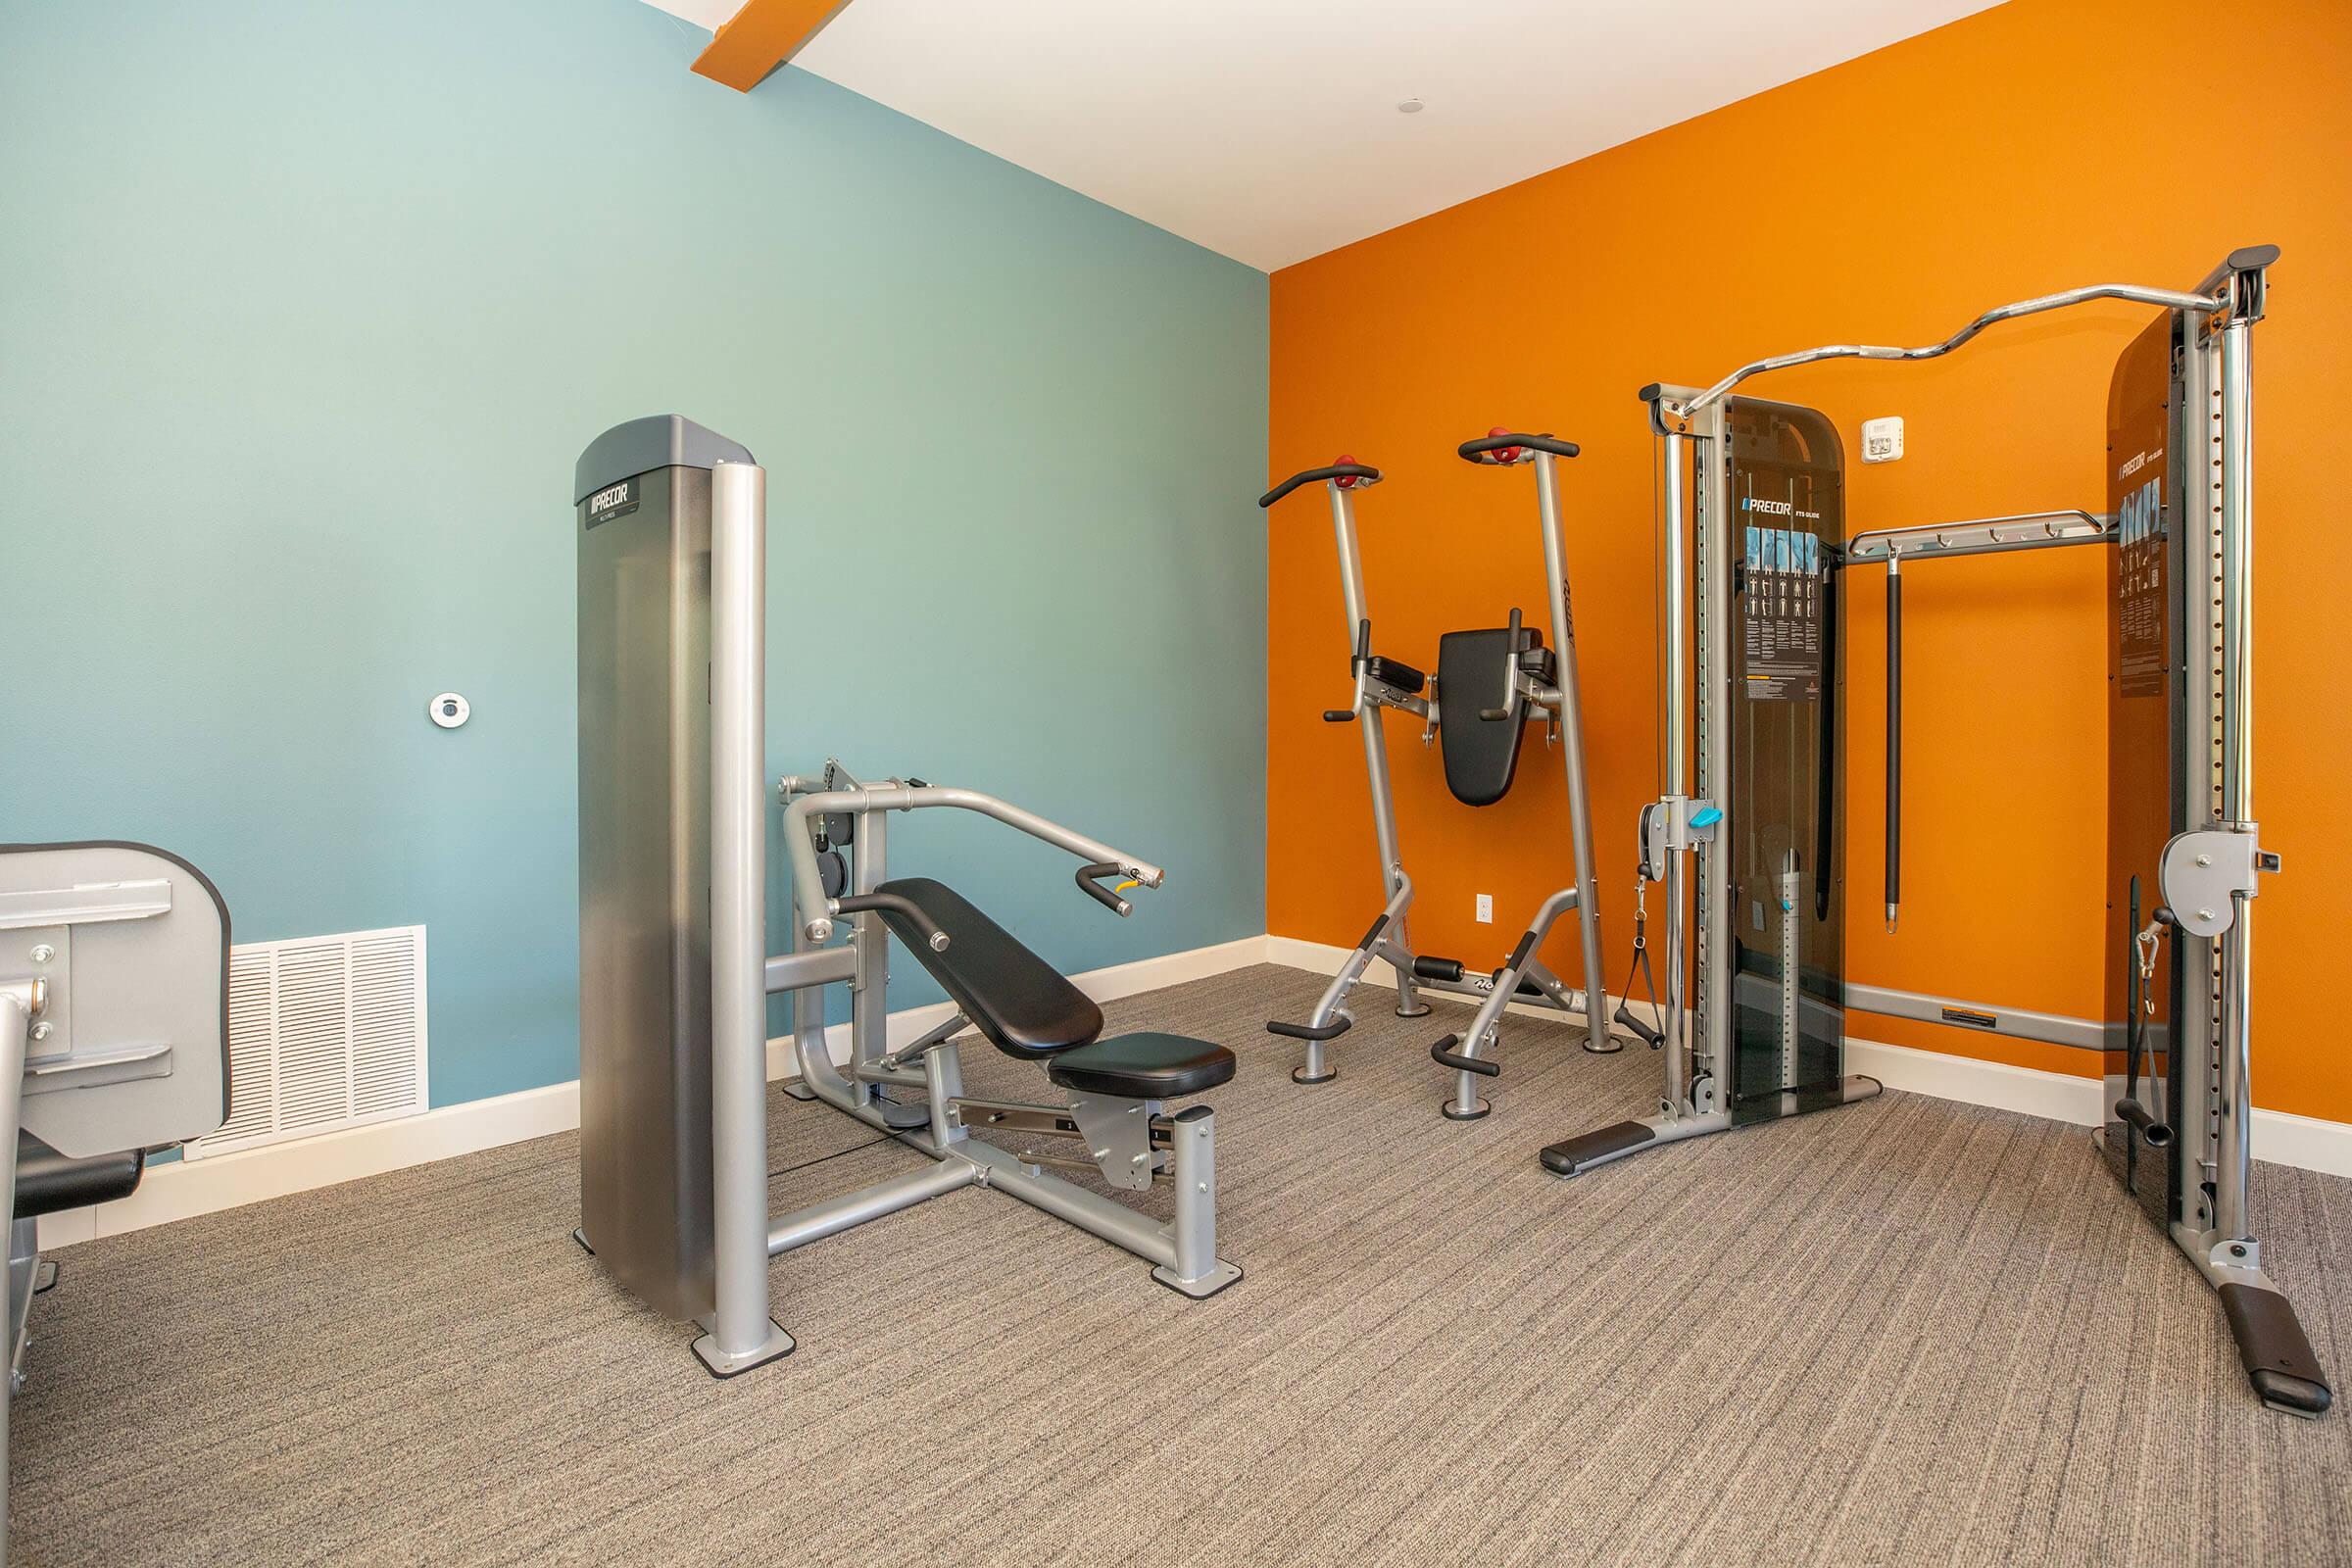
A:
x,y
762,35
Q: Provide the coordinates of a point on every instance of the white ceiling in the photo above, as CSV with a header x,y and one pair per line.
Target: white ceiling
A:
x,y
1268,129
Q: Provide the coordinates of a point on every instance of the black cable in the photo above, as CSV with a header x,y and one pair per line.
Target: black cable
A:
x,y
874,1142
871,1143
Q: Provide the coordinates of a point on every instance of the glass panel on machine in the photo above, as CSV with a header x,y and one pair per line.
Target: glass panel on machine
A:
x,y
2147,649
1786,726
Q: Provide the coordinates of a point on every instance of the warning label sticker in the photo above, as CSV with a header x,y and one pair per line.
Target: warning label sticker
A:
x,y
1784,602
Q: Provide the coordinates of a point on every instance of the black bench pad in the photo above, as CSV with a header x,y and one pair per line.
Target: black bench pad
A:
x,y
1015,997
1143,1067
48,1182
1475,670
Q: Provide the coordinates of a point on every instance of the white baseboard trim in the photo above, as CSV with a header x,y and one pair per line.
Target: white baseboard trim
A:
x,y
2281,1138
2053,1096
2308,1143
183,1188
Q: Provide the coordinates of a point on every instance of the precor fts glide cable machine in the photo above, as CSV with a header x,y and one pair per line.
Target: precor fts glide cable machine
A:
x,y
1756,698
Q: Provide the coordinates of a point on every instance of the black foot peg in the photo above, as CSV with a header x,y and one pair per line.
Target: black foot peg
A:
x,y
1307,1031
1443,1054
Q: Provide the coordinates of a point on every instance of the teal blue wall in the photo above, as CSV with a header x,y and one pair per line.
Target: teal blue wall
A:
x,y
306,309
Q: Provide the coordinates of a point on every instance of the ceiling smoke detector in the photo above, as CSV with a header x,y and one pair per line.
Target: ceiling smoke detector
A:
x,y
1411,106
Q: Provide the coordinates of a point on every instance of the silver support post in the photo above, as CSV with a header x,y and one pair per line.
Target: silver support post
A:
x,y
1711,722
869,869
1674,594
1674,590
1197,1269
2237,768
1367,712
1352,570
742,1334
1375,773
1572,749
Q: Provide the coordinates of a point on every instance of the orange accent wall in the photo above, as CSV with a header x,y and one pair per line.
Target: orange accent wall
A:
x,y
2034,147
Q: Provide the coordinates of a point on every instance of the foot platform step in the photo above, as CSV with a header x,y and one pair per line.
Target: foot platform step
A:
x,y
1588,1149
2278,1359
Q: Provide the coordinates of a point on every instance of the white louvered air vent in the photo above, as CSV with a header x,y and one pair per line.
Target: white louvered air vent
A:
x,y
323,1032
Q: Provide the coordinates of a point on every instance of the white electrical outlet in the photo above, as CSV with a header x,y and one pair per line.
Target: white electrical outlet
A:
x,y
1486,908
1882,439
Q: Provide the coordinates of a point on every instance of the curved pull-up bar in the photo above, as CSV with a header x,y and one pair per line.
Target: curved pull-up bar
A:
x,y
2169,299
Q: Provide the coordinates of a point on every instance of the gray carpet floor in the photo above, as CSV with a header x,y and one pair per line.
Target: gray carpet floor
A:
x,y
1906,1331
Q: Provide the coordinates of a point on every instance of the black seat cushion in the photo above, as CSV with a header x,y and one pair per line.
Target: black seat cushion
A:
x,y
1390,673
1015,997
1145,1066
1475,673
48,1182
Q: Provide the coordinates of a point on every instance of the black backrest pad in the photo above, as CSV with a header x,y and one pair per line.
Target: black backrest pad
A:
x,y
1015,997
1474,671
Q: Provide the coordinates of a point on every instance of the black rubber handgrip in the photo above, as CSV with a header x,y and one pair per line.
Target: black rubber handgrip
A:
x,y
1098,891
1307,1031
1443,1054
2154,1133
1625,1014
907,908
1336,470
1477,450
1339,715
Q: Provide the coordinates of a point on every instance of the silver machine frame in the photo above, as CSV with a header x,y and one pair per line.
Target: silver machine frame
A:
x,y
713,1264
2209,875
1523,978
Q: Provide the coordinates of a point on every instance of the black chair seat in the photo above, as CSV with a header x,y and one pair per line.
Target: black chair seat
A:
x,y
1017,998
1143,1067
1390,673
48,1182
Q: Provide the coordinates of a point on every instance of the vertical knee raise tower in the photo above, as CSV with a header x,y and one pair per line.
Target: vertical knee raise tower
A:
x,y
1494,681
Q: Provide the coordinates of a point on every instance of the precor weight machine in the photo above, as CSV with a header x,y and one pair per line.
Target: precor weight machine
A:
x,y
1761,573
113,1042
1506,677
675,968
